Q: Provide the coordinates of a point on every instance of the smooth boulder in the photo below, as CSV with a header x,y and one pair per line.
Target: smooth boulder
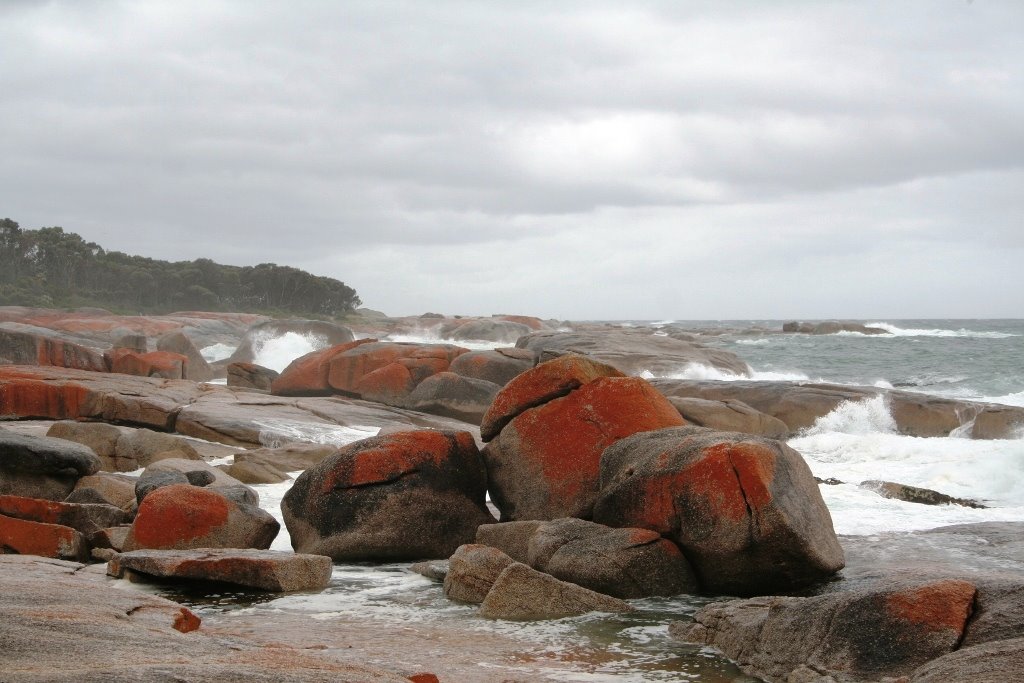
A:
x,y
520,592
745,510
183,516
42,466
402,496
472,570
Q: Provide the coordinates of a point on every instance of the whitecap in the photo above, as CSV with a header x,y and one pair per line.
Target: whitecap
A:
x,y
895,331
753,342
700,371
215,352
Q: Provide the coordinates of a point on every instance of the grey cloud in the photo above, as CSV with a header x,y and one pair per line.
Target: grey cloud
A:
x,y
586,141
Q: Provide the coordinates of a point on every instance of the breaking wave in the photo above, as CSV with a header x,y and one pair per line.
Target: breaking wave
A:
x,y
895,331
699,371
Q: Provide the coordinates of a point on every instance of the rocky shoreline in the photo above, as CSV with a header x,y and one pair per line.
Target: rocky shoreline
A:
x,y
609,488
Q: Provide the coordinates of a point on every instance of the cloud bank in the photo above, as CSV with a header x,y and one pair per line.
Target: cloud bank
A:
x,y
571,160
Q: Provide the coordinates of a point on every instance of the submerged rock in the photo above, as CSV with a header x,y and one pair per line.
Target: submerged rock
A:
x,y
914,494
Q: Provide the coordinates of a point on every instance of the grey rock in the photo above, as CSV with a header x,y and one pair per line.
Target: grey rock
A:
x,y
512,538
42,466
914,494
196,369
472,570
521,592
729,415
995,662
145,446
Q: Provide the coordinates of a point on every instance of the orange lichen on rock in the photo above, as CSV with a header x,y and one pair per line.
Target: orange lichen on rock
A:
x,y
178,513
186,620
936,606
528,320
565,437
540,384
401,454
26,537
36,398
308,374
389,382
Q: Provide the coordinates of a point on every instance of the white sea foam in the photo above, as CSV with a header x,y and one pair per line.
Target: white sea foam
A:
x,y
753,342
1016,399
869,416
215,352
858,441
277,352
699,371
275,432
428,336
914,332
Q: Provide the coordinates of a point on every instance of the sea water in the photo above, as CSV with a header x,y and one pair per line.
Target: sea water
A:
x,y
979,360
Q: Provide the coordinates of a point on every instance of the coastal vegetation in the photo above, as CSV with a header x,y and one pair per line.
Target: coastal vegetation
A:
x,y
53,268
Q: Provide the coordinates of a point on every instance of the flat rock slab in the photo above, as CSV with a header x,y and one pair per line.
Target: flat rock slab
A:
x,y
264,569
62,624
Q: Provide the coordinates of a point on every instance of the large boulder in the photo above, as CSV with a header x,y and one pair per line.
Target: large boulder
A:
x,y
184,516
512,538
521,592
143,447
308,375
624,563
118,489
196,369
349,369
407,495
746,511
544,464
263,569
102,438
547,381
859,635
498,365
42,466
447,393
251,376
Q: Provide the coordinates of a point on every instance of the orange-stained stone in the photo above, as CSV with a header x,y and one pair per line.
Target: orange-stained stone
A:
x,y
153,364
389,382
424,677
308,374
564,438
186,620
936,606
177,513
26,537
31,397
401,454
540,384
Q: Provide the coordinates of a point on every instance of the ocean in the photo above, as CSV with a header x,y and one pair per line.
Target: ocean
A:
x,y
979,360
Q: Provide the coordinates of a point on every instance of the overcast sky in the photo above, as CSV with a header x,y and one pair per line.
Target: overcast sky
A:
x,y
574,160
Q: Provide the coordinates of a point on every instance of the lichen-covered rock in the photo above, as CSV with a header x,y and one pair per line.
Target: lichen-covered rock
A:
x,y
263,569
545,463
540,384
183,516
86,518
163,364
745,510
308,375
402,496
858,635
26,537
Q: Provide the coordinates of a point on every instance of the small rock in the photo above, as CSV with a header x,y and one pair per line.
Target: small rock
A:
x,y
520,592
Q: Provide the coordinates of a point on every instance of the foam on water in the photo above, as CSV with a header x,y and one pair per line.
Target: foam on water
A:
x,y
429,336
895,331
753,342
215,352
275,432
277,352
858,441
1016,399
700,371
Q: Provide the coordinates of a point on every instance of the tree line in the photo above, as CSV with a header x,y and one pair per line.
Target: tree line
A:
x,y
52,268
